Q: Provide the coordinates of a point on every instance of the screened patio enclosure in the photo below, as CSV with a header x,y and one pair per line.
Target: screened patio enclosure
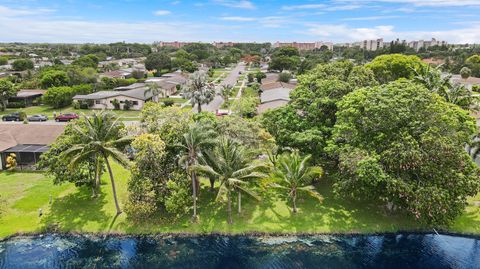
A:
x,y
27,155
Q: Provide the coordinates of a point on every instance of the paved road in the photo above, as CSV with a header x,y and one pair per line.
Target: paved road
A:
x,y
231,79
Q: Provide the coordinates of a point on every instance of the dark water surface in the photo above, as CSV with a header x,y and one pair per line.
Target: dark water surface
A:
x,y
325,251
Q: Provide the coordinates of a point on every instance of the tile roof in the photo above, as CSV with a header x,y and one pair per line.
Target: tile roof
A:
x,y
12,135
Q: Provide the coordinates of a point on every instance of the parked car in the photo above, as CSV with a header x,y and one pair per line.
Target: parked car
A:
x,y
66,117
15,116
38,117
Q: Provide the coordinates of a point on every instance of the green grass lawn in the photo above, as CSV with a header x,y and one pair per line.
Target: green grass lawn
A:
x,y
48,111
74,210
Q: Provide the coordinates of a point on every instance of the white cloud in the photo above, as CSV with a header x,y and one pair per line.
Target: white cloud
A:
x,y
420,3
370,18
344,33
162,12
243,4
238,18
11,12
306,6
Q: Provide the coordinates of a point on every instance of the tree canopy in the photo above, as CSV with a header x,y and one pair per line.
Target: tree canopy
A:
x,y
391,67
403,146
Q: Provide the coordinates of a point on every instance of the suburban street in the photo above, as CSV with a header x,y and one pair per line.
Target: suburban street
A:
x,y
231,79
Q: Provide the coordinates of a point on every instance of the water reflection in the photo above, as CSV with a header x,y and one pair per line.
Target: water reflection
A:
x,y
360,251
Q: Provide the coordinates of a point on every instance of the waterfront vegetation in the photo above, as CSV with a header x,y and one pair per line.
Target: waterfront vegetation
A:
x,y
73,210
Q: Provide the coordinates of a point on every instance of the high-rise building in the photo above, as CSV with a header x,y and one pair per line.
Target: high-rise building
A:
x,y
304,45
372,44
418,44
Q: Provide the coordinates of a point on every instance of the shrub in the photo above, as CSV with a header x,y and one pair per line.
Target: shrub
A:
x,y
284,77
15,105
127,105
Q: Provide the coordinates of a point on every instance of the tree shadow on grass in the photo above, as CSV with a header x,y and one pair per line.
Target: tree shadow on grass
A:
x,y
75,210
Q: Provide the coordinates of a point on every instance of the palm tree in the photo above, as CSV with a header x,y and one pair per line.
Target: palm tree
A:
x,y
226,91
100,139
155,90
294,174
228,163
432,79
198,90
194,142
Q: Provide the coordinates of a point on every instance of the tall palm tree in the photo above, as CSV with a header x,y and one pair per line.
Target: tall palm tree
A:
x,y
294,174
196,140
198,90
228,163
225,92
100,139
155,90
432,79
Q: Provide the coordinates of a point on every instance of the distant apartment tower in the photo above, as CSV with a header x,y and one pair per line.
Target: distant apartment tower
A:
x,y
224,44
304,45
418,44
175,44
372,45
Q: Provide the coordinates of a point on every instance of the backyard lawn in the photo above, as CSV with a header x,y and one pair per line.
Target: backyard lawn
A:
x,y
73,209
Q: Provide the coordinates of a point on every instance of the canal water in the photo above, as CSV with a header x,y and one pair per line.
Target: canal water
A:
x,y
322,251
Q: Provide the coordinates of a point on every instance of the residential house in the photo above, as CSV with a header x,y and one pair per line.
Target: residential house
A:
x,y
27,142
137,98
27,97
276,94
116,74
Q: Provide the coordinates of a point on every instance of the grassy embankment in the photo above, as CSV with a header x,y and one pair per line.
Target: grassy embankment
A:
x,y
73,210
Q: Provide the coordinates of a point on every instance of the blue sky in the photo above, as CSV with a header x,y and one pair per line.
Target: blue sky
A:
x,y
78,21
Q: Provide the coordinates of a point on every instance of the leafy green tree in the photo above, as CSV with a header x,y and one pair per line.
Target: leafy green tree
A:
x,y
58,97
465,72
401,146
195,141
391,67
198,90
22,64
259,76
228,164
78,75
89,60
293,173
100,140
7,90
3,60
306,123
285,58
158,61
146,187
473,62
226,91
54,78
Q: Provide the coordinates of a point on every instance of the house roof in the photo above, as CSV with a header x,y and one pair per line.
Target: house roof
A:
x,y
276,85
115,74
138,93
130,87
12,135
275,94
30,93
271,105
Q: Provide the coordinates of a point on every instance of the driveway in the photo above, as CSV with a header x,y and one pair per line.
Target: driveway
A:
x,y
231,79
